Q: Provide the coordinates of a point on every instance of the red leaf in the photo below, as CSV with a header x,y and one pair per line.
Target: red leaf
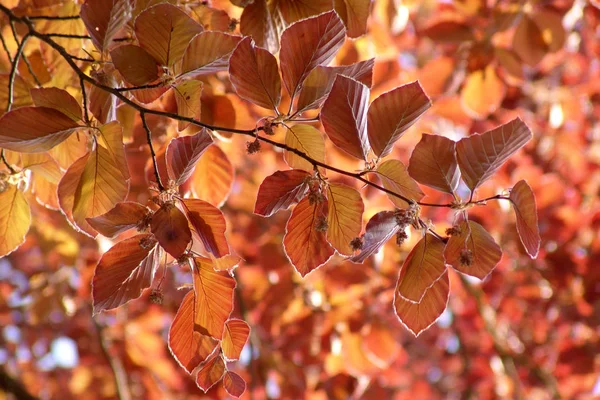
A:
x,y
208,52
344,116
188,346
305,245
523,200
209,223
307,44
394,177
211,372
34,129
392,113
136,65
214,297
474,251
58,99
480,155
279,191
104,18
417,317
187,96
355,14
171,229
234,384
213,177
380,228
254,74
183,153
123,216
165,31
423,266
102,104
124,271
235,337
264,23
433,163
344,217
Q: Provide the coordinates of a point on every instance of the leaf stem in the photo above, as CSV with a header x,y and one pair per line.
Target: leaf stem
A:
x,y
152,152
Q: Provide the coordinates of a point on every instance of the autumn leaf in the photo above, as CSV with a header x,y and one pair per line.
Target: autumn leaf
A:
x,y
380,228
523,200
209,223
57,99
395,177
354,13
344,217
15,219
170,227
183,154
208,53
235,336
135,64
104,18
110,136
212,179
280,190
433,163
187,96
123,216
482,93
210,372
234,384
308,140
263,22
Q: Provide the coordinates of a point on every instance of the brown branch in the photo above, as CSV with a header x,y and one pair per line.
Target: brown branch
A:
x,y
53,18
152,152
5,47
86,115
13,72
5,162
9,384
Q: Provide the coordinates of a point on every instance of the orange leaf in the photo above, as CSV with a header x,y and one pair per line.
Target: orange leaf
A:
x,y
15,219
264,23
380,228
58,99
187,95
34,129
164,31
528,42
104,18
392,113
523,200
212,179
344,116
344,217
234,384
110,137
305,245
102,104
214,297
480,155
254,74
307,44
433,163
394,176
235,337
209,223
355,14
66,193
208,52
136,65
123,216
381,344
448,30
210,372
183,153
170,226
423,266
21,96
474,251
279,191
188,346
482,93
296,10
417,317
124,272
307,139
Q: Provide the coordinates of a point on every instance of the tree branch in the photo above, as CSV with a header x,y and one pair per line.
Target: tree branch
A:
x,y
9,384
152,152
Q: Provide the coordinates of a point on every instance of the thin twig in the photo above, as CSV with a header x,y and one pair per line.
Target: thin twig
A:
x,y
13,72
131,89
30,69
5,47
86,115
53,18
5,162
152,152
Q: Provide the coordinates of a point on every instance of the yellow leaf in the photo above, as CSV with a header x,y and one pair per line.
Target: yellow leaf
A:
x,y
15,219
308,140
344,219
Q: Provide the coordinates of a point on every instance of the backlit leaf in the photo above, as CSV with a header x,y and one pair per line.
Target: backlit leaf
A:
x,y
307,44
279,191
482,93
58,99
34,129
450,30
102,104
355,14
15,218
474,251
125,215
212,179
523,200
110,136
480,155
208,52
124,272
392,113
395,177
307,139
209,223
104,18
66,193
170,226
21,96
188,346
235,337
305,245
254,73
296,10
380,228
423,266
344,116
136,65
433,163
263,23
344,217
211,372
417,317
528,42
184,152
164,31
214,297
234,384
187,95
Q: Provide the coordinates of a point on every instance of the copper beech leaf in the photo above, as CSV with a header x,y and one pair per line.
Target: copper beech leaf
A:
x,y
319,82
480,155
170,227
187,96
210,372
354,13
123,216
234,384
58,99
380,228
263,23
344,218
482,93
392,113
423,266
209,223
473,251
183,153
208,52
296,10
135,64
307,44
103,104
35,129
104,18
308,140
417,317
523,200
214,297
395,177
213,176
280,190
110,136
189,347
15,219
344,116
164,31
433,163
66,193
124,272
254,74
235,337
305,240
